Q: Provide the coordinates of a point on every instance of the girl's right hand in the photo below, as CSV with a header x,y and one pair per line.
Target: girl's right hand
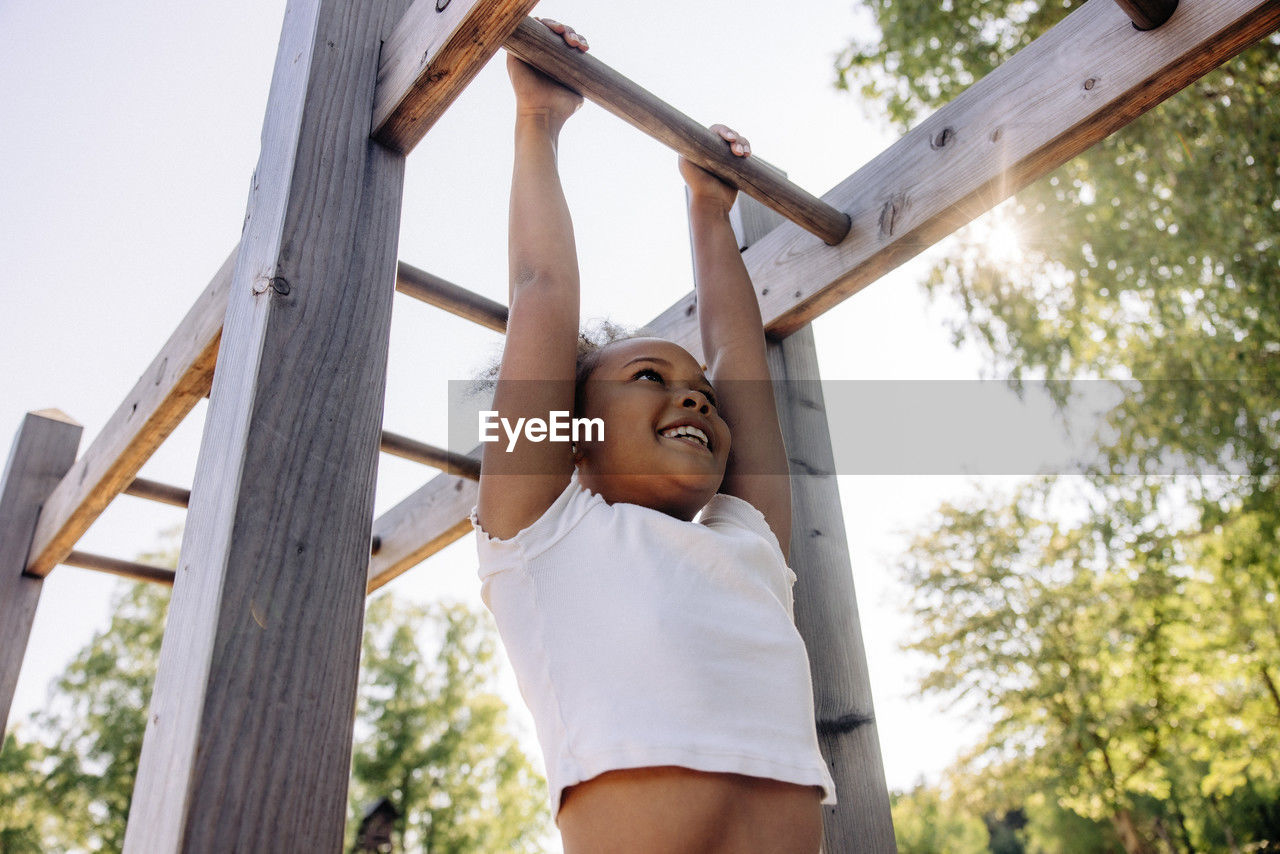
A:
x,y
536,93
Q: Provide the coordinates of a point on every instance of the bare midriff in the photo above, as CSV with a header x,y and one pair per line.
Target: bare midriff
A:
x,y
670,810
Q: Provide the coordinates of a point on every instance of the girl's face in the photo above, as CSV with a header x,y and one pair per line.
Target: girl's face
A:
x,y
665,445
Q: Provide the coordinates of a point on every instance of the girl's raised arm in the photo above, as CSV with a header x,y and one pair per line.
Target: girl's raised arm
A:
x,y
734,345
520,480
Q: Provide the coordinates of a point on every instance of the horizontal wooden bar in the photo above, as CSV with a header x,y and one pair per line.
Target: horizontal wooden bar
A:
x,y
434,51
432,289
123,568
582,72
447,461
153,490
178,378
1086,78
1148,14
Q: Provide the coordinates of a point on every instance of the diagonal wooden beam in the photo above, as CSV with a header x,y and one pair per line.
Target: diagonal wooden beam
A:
x,y
592,79
1086,78
419,526
1089,76
178,378
434,51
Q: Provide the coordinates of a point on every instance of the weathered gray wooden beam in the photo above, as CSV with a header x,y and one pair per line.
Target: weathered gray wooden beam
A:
x,y
249,732
591,78
40,455
434,51
123,568
1086,78
177,379
432,289
419,526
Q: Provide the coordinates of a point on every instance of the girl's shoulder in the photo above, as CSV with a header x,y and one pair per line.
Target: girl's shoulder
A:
x,y
559,519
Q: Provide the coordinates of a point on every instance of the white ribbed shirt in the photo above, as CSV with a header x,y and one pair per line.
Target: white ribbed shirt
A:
x,y
639,640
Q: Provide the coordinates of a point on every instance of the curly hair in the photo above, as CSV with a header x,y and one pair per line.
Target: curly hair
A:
x,y
591,340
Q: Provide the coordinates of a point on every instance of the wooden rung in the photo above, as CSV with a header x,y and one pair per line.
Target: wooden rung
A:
x,y
543,49
1148,14
447,461
454,299
153,490
124,568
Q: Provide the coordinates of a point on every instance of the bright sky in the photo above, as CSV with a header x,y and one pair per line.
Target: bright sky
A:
x,y
128,134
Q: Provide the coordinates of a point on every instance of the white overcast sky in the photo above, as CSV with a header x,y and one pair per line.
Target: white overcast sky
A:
x,y
128,134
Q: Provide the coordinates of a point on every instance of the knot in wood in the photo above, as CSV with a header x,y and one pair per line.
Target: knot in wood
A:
x,y
943,139
1091,82
280,285
441,5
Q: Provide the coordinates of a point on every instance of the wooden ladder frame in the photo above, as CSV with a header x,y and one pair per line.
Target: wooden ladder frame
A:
x,y
249,732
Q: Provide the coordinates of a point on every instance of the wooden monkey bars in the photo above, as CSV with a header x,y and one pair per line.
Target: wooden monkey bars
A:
x,y
591,78
1089,76
954,166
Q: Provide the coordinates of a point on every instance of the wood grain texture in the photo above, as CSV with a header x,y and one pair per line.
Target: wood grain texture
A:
x,y
1089,76
430,58
432,289
591,78
42,451
178,378
249,733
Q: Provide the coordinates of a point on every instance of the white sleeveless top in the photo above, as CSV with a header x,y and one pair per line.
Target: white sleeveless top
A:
x,y
641,640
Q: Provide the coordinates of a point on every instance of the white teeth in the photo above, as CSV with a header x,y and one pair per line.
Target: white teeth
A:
x,y
689,431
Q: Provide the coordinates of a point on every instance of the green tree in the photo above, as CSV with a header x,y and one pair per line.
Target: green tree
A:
x,y
23,804
926,821
1093,646
430,735
1152,255
97,717
434,738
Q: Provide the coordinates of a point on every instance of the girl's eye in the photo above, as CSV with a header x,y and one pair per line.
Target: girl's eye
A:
x,y
649,373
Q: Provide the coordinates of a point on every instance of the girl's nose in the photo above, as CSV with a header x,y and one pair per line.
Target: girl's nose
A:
x,y
696,400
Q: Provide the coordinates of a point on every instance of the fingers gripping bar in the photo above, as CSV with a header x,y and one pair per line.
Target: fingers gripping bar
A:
x,y
535,44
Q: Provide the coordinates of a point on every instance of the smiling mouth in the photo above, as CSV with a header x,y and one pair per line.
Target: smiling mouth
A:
x,y
689,434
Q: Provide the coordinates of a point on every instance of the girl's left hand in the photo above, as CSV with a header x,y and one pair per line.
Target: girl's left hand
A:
x,y
702,184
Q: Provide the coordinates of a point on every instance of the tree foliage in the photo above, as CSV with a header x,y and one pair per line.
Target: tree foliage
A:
x,y
1153,255
431,735
1124,640
434,738
1098,648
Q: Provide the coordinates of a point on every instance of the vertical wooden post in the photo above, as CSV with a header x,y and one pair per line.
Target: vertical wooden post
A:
x,y
249,732
43,450
826,605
